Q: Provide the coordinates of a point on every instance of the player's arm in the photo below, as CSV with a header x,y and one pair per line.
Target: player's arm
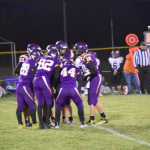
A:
x,y
121,65
92,71
79,79
17,70
100,70
56,76
34,70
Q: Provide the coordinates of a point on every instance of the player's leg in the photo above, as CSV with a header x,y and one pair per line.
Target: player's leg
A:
x,y
44,112
129,77
60,102
29,99
77,99
113,78
52,112
20,107
47,94
69,111
26,113
135,80
99,107
38,92
119,83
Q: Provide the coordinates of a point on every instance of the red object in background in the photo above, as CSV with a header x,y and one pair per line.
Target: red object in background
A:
x,y
125,89
131,39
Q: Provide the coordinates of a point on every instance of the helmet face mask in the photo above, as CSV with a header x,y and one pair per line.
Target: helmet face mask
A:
x,y
61,47
62,52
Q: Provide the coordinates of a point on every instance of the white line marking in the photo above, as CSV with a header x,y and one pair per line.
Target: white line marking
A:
x,y
10,102
121,135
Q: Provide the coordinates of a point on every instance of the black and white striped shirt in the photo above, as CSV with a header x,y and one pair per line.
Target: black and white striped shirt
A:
x,y
142,58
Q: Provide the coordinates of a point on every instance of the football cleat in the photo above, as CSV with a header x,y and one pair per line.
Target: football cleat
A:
x,y
21,126
28,124
71,122
91,122
53,122
35,126
65,121
41,126
56,127
82,126
48,126
100,94
102,120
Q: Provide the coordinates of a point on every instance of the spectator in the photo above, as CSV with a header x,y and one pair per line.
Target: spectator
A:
x,y
130,75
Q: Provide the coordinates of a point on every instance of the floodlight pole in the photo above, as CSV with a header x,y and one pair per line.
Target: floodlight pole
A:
x,y
111,23
64,20
15,54
12,58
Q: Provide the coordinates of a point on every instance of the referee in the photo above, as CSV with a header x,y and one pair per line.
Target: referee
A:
x,y
142,66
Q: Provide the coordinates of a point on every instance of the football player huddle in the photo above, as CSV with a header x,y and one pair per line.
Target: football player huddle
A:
x,y
55,80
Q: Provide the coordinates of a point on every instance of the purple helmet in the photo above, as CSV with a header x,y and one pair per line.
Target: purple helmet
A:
x,y
61,45
49,47
115,52
66,60
81,47
53,53
35,54
33,46
92,52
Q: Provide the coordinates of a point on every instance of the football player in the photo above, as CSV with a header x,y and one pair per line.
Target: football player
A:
x,y
116,67
68,90
22,58
48,48
98,64
91,71
46,67
62,47
24,89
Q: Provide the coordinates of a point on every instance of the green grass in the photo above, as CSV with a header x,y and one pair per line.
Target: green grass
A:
x,y
127,114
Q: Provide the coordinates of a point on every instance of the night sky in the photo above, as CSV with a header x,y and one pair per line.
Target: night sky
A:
x,y
89,22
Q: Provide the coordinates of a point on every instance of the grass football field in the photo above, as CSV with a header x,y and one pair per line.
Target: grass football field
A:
x,y
128,127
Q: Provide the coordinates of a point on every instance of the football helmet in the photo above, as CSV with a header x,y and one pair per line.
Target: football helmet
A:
x,y
35,54
53,53
81,47
66,60
92,52
115,52
49,47
33,46
61,45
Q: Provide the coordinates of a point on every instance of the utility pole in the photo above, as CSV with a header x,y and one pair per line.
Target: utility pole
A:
x,y
64,18
111,23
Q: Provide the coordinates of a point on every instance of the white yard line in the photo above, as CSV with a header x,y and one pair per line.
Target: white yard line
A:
x,y
107,129
10,102
121,135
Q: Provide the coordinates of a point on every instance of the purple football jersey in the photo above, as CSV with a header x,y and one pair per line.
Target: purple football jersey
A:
x,y
46,66
23,57
87,58
26,71
69,76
